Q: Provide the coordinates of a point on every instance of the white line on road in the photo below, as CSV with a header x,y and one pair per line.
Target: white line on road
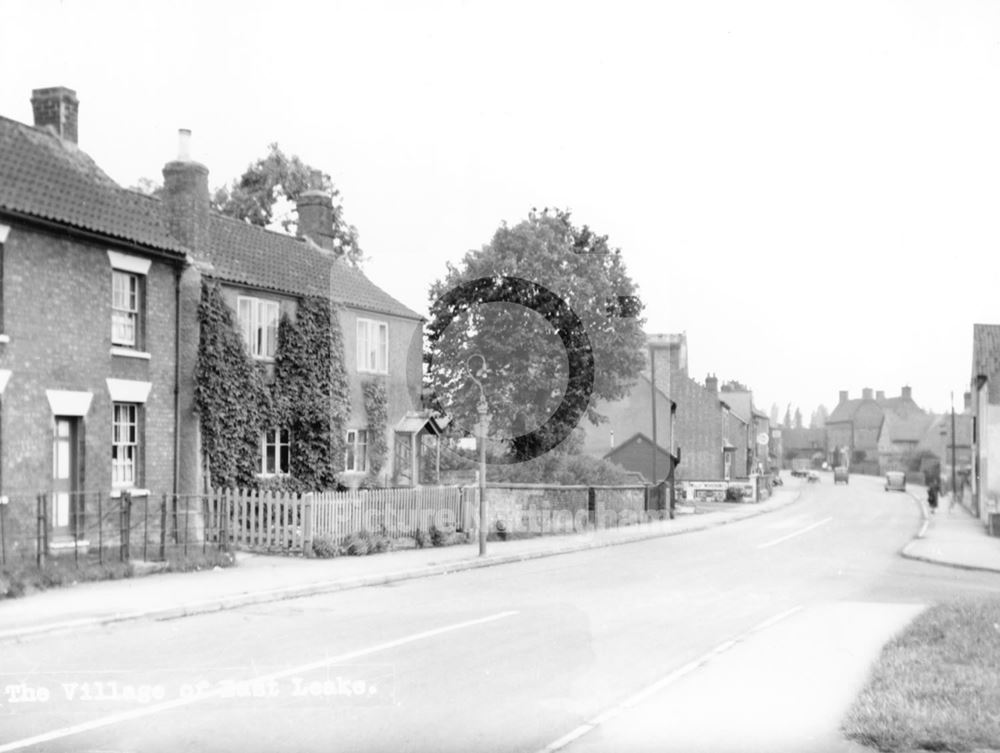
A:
x,y
663,682
126,716
796,533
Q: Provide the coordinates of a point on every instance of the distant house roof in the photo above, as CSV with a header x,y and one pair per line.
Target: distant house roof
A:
x,y
862,413
910,429
740,403
986,357
941,425
45,177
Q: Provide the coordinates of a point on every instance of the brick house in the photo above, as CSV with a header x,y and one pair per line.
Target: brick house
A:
x,y
985,405
264,274
99,330
91,301
706,436
626,437
875,434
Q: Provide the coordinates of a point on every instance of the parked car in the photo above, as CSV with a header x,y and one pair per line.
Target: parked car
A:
x,y
840,474
812,477
895,481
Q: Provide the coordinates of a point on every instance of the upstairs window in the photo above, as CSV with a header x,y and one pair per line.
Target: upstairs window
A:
x,y
125,308
373,346
356,453
128,306
259,324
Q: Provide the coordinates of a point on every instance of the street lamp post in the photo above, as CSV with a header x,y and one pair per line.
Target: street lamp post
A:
x,y
482,429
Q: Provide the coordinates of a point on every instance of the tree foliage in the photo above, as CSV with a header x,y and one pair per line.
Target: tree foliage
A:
x,y
528,359
258,194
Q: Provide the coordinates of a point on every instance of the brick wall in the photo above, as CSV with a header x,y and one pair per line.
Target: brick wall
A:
x,y
57,300
698,427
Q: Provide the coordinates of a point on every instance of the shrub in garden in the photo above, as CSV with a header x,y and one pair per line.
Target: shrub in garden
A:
x,y
734,494
326,547
422,537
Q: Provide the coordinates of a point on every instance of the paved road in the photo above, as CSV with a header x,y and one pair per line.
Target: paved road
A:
x,y
514,658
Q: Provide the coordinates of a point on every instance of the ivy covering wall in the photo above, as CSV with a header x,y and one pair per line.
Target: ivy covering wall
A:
x,y
309,396
376,409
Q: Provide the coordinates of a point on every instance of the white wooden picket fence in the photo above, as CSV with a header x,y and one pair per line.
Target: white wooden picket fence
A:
x,y
286,522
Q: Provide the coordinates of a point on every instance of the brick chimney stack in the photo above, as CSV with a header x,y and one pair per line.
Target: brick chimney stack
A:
x,y
57,107
866,393
880,395
968,402
185,196
712,383
907,393
843,397
315,209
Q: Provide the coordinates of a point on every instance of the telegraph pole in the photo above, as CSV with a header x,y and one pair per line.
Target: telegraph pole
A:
x,y
954,475
482,430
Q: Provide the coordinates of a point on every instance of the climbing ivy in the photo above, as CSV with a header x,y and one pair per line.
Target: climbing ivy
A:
x,y
309,396
311,393
230,395
376,408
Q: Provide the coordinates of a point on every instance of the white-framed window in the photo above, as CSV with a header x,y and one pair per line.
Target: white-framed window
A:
x,y
259,325
356,452
373,346
124,445
275,447
125,308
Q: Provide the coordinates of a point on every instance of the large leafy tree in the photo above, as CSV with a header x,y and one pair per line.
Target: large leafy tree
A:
x,y
535,345
266,192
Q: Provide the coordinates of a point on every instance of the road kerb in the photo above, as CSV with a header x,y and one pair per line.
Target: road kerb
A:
x,y
283,593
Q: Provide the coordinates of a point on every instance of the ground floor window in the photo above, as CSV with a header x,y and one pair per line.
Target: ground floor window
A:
x,y
356,452
275,449
125,445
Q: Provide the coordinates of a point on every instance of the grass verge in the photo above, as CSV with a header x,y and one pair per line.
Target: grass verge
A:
x,y
21,579
936,686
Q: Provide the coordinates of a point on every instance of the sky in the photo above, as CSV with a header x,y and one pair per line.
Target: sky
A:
x,y
808,190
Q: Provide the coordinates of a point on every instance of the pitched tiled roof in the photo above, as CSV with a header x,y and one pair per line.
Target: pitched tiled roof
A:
x,y
986,356
46,177
844,411
803,439
250,255
909,429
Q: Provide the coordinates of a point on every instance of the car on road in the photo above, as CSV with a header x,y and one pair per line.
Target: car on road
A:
x,y
840,474
812,477
895,481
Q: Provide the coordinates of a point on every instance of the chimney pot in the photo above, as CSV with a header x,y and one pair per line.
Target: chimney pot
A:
x,y
183,145
56,107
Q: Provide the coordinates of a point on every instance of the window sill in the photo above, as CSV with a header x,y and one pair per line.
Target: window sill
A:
x,y
117,350
265,476
117,493
4,339
376,373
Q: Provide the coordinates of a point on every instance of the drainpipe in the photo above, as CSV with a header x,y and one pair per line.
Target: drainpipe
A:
x,y
177,378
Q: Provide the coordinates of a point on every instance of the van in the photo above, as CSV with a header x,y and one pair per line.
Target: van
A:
x,y
895,481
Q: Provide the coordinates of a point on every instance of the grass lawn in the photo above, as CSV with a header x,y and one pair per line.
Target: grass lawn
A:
x,y
936,686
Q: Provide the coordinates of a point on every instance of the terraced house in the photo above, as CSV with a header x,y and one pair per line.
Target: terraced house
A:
x,y
100,290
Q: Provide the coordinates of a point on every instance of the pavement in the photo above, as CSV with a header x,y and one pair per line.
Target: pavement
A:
x,y
952,536
260,579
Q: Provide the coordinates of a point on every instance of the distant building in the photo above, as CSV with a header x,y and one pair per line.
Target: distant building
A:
x,y
985,405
